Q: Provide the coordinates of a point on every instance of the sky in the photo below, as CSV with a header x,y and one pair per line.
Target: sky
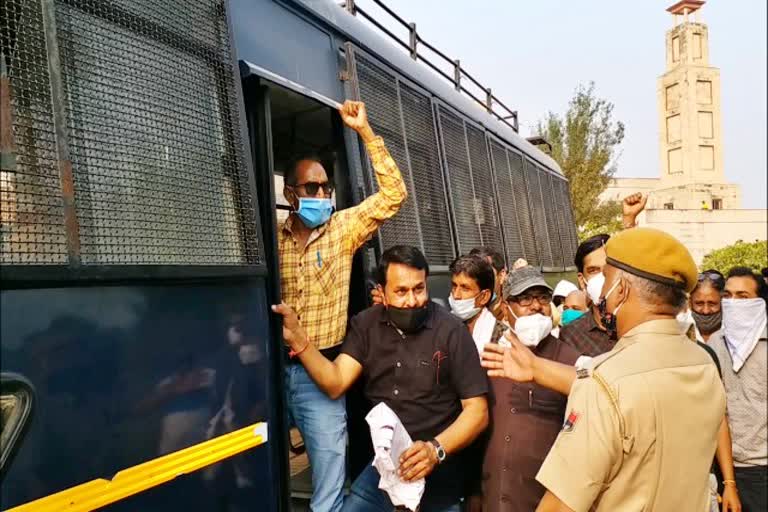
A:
x,y
534,54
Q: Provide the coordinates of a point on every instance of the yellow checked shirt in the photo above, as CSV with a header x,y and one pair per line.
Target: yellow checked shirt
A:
x,y
315,281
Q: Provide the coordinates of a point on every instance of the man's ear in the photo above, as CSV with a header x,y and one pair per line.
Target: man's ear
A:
x,y
483,299
582,282
383,295
290,196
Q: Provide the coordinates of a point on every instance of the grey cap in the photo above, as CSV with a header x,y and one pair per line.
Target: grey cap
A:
x,y
522,279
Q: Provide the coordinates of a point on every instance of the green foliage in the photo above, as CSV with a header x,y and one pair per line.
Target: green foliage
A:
x,y
606,218
741,254
584,144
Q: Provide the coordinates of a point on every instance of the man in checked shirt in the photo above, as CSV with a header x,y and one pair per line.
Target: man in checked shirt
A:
x,y
316,248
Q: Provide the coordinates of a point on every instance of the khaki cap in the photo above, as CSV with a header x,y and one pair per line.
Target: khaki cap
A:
x,y
654,255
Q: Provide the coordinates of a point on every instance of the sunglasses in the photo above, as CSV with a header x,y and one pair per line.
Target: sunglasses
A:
x,y
711,276
311,188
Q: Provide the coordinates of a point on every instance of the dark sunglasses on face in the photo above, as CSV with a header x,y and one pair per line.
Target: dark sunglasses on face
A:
x,y
527,300
312,187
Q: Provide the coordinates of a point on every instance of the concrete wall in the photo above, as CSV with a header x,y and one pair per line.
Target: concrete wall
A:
x,y
690,196
703,231
619,188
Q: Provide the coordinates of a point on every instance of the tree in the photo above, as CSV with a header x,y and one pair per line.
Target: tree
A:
x,y
741,254
584,143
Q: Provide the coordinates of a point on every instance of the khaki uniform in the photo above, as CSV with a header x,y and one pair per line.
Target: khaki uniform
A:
x,y
641,427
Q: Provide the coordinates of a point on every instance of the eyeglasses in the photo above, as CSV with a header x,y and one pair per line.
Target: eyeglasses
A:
x,y
312,187
527,300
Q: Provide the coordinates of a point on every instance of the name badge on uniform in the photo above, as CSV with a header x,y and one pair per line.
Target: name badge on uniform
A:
x,y
582,373
570,421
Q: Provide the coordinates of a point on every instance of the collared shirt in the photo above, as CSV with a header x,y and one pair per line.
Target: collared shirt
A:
x,y
641,426
586,336
422,377
314,280
525,420
746,391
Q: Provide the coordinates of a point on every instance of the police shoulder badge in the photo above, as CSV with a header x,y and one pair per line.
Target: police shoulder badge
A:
x,y
570,421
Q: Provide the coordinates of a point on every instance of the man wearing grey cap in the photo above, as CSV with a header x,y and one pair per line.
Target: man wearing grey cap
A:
x,y
526,417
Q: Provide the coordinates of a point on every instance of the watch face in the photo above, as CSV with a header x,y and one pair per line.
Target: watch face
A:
x,y
440,453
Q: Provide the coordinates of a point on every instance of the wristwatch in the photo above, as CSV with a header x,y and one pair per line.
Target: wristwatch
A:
x,y
439,449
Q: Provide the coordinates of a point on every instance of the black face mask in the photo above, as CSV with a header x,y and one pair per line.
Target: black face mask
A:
x,y
408,320
608,320
707,324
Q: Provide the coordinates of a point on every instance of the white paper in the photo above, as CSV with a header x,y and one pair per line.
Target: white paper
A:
x,y
390,440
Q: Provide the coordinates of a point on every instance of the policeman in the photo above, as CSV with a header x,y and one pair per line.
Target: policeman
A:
x,y
641,425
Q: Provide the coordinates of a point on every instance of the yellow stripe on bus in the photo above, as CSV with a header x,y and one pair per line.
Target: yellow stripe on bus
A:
x,y
99,493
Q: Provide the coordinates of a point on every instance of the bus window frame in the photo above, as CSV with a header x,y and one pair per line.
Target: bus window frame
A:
x,y
13,383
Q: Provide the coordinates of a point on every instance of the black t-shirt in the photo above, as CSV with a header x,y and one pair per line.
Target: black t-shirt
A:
x,y
422,377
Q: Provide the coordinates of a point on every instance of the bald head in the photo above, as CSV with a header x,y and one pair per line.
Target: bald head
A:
x,y
577,300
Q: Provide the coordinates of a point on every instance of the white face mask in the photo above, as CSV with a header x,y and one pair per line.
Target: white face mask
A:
x,y
684,320
532,329
594,287
744,321
465,309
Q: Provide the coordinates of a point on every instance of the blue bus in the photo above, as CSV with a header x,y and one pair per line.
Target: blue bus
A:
x,y
143,146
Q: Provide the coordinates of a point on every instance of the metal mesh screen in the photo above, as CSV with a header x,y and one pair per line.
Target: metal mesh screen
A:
x,y
523,202
467,212
378,89
552,209
421,142
538,215
507,200
485,193
154,134
568,232
31,211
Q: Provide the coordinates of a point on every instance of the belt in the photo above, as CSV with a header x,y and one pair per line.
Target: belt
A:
x,y
329,353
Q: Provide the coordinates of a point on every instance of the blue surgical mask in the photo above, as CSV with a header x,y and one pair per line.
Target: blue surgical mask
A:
x,y
314,211
569,315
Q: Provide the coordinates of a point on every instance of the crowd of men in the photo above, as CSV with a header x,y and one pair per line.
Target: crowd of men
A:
x,y
641,387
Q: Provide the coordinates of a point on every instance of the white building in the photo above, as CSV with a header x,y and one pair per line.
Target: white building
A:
x,y
691,198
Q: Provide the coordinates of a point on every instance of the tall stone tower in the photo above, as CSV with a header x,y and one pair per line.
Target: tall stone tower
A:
x,y
688,102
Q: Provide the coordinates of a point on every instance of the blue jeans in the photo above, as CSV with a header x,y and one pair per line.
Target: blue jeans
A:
x,y
323,426
366,496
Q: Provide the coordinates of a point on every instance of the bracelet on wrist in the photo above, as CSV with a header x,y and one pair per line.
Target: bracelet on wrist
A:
x,y
297,353
729,482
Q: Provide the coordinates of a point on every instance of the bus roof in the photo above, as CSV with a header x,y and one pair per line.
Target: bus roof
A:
x,y
369,39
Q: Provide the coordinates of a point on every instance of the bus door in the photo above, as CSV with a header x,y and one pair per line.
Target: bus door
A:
x,y
286,119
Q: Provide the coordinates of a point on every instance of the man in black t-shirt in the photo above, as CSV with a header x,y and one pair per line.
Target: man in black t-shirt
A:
x,y
420,361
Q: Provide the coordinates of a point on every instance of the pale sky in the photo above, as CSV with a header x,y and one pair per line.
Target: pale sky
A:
x,y
534,54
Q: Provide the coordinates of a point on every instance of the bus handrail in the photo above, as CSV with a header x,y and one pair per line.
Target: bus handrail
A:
x,y
506,115
147,475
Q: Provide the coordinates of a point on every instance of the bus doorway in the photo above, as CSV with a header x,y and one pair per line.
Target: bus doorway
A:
x,y
295,124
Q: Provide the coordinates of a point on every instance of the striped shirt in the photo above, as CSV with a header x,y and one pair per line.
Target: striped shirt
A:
x,y
314,280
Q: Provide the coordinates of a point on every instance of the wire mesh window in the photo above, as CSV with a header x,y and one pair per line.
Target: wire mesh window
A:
x,y
31,210
538,215
408,131
153,132
551,210
524,210
507,203
570,239
427,176
485,193
467,210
